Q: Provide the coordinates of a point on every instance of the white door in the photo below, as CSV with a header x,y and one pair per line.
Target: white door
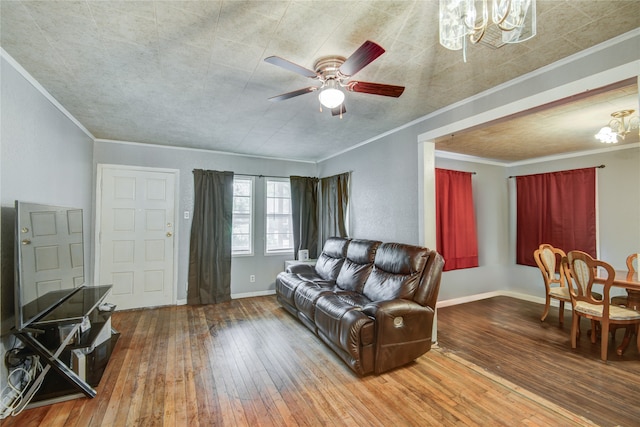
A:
x,y
135,219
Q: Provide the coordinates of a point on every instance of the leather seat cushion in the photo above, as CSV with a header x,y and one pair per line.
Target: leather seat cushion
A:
x,y
286,285
308,293
340,318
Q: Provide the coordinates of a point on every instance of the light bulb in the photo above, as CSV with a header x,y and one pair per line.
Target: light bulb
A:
x,y
330,96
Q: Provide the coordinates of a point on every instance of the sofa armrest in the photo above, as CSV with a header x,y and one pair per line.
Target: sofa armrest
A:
x,y
403,331
301,269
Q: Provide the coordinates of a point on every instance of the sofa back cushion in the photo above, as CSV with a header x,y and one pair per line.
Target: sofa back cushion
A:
x,y
396,273
357,265
330,260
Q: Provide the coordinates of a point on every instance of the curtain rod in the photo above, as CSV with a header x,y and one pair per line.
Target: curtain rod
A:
x,y
275,176
596,167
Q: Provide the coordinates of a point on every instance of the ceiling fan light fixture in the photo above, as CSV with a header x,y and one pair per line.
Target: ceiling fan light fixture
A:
x,y
330,96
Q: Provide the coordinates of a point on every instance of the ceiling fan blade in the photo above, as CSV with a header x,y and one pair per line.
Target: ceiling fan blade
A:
x,y
363,56
339,110
288,95
375,88
288,65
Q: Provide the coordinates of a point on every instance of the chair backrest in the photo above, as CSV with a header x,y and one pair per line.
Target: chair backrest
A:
x,y
581,270
630,260
548,259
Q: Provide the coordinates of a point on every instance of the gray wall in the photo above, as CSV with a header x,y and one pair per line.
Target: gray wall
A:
x,y
386,172
264,267
44,158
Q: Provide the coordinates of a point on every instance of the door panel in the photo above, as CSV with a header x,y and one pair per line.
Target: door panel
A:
x,y
51,249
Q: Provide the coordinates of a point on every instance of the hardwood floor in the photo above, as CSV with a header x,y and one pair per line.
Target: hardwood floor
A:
x,y
248,362
505,336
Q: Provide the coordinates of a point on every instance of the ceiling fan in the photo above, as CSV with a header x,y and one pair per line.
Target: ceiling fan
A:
x,y
334,73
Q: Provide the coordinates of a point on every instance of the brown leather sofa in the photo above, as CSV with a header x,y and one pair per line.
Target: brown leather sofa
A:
x,y
372,303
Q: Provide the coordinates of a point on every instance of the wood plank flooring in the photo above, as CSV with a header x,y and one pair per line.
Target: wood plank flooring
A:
x,y
506,338
248,362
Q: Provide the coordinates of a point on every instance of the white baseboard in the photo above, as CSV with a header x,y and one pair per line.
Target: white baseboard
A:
x,y
238,296
253,294
518,295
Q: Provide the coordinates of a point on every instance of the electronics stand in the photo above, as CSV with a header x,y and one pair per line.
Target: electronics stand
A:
x,y
75,339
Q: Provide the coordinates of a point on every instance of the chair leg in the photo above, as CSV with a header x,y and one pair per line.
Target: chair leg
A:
x,y
628,333
561,313
594,326
604,340
575,322
546,308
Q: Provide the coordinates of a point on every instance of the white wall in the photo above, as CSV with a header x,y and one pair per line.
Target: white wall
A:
x,y
264,267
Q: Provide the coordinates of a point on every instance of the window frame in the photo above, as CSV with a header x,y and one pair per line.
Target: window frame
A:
x,y
272,252
252,210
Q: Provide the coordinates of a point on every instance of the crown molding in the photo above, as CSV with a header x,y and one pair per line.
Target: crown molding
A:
x,y
201,150
29,78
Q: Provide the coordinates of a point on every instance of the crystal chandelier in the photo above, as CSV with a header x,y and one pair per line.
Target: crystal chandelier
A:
x,y
617,127
515,19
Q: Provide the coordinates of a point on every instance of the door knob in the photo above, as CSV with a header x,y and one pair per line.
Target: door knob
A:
x,y
169,234
26,242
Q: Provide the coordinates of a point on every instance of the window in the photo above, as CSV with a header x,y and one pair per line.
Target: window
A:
x,y
456,237
558,208
279,230
242,228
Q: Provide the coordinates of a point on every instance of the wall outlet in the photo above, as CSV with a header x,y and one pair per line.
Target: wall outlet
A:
x,y
252,278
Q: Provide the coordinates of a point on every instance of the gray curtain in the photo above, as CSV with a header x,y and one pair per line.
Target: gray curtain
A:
x,y
304,212
334,204
210,245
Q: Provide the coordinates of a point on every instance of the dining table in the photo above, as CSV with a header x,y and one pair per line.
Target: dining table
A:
x,y
630,281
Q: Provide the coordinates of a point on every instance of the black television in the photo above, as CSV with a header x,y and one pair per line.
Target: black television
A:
x,y
49,259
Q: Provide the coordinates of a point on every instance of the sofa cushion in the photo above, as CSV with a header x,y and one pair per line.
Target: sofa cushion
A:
x,y
342,322
396,273
286,285
332,257
357,265
308,293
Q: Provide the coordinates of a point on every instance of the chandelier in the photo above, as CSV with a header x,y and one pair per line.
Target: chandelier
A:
x,y
617,127
515,20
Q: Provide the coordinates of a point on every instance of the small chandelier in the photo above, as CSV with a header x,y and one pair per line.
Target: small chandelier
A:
x,y
617,127
515,19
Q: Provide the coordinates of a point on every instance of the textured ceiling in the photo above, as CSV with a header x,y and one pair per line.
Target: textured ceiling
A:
x,y
191,73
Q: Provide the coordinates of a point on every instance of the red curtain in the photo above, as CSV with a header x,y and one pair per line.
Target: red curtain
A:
x,y
456,238
558,208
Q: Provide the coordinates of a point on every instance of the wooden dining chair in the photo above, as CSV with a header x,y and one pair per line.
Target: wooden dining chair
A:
x,y
622,300
631,260
548,259
580,270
